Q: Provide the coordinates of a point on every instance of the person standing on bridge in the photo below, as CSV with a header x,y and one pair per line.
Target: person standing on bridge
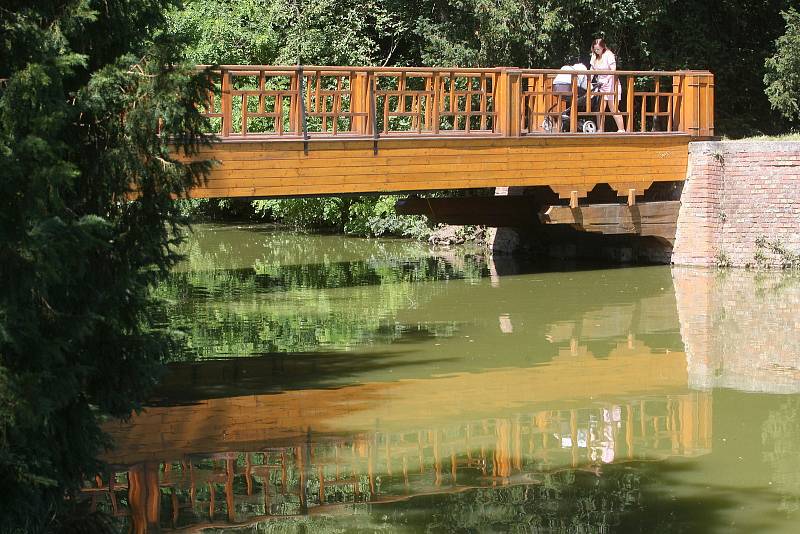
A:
x,y
604,59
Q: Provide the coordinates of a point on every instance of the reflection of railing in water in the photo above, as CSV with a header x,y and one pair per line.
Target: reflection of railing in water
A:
x,y
312,475
311,101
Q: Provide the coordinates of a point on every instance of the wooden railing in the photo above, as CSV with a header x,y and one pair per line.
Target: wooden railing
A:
x,y
322,102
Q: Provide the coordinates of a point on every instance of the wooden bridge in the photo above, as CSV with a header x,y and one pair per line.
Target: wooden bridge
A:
x,y
287,131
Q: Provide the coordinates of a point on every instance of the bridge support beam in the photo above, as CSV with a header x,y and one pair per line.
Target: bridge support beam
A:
x,y
658,219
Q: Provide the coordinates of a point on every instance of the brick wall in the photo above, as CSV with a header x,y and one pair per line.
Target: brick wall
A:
x,y
738,194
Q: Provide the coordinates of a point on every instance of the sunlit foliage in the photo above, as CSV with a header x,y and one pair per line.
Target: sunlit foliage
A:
x,y
783,69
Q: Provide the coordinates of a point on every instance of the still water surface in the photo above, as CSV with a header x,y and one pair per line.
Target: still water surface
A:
x,y
334,385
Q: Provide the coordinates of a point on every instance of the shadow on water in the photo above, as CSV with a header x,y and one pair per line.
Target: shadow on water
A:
x,y
273,373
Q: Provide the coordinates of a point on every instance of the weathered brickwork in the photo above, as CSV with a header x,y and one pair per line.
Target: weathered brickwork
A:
x,y
739,195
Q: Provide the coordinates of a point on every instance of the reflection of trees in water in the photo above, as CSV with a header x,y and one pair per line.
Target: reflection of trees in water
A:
x,y
566,501
275,307
237,247
779,435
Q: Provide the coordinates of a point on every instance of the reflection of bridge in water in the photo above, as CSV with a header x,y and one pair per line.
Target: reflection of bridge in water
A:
x,y
314,476
243,459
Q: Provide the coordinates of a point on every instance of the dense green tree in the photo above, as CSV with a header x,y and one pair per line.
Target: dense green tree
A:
x,y
532,34
783,69
721,36
731,38
323,32
91,96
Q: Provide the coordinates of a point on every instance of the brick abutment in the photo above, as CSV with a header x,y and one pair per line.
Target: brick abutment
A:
x,y
740,205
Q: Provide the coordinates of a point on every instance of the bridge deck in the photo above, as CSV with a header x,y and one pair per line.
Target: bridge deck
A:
x,y
289,131
574,163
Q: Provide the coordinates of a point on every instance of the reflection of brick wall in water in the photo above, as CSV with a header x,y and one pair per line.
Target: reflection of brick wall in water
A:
x,y
737,193
741,329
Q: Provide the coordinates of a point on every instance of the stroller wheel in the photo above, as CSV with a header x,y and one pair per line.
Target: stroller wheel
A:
x,y
589,127
547,125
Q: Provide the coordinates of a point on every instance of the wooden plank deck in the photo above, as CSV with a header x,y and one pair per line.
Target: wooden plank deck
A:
x,y
280,168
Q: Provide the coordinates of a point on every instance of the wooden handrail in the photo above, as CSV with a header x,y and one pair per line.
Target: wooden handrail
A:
x,y
265,101
330,68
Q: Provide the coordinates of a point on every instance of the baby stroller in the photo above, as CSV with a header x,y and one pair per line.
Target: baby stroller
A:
x,y
585,124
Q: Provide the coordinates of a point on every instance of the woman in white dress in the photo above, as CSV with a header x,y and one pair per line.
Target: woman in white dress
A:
x,y
604,59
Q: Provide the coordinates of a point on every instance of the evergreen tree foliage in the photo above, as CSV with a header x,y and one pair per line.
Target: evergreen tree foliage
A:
x,y
91,95
783,69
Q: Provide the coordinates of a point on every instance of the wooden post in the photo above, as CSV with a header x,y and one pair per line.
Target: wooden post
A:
x,y
483,102
294,102
573,106
707,104
573,199
212,502
677,104
509,120
501,103
227,107
697,111
248,473
144,497
301,453
643,118
436,102
573,432
656,106
631,197
629,102
244,114
542,105
359,92
428,101
467,105
670,104
321,477
229,500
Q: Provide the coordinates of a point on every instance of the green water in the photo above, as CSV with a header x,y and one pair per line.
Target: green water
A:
x,y
331,384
